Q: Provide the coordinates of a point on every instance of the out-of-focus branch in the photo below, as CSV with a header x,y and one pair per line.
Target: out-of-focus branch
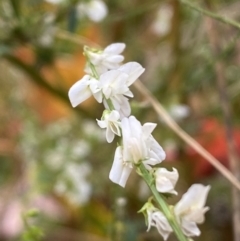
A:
x,y
40,81
184,136
219,67
80,40
211,14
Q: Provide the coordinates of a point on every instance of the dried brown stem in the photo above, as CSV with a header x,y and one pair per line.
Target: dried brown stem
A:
x,y
183,135
219,67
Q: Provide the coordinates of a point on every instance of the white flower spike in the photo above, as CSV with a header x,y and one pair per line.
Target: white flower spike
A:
x,y
190,209
108,59
110,121
166,180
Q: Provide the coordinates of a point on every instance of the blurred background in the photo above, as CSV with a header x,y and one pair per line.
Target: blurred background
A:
x,y
54,160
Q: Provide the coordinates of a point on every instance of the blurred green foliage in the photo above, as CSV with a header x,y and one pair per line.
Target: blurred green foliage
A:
x,y
57,159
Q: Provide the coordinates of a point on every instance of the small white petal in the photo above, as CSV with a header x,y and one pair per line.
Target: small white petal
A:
x,y
119,172
157,219
109,135
125,109
156,148
148,129
102,123
195,196
166,180
190,229
133,69
162,224
96,91
113,59
80,91
115,48
108,81
114,115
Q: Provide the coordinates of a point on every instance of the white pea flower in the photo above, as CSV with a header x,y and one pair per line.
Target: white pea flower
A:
x,y
138,143
159,221
190,209
166,180
121,169
135,148
83,89
115,86
155,218
96,10
107,59
110,121
112,85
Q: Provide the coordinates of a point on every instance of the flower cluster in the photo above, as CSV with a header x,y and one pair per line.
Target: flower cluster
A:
x,y
188,212
108,81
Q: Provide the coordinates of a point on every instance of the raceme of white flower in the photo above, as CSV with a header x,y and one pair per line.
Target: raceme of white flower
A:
x,y
106,59
190,209
108,82
96,10
166,180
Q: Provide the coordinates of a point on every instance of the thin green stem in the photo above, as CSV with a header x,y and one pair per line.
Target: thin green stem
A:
x,y
164,206
91,65
211,14
110,104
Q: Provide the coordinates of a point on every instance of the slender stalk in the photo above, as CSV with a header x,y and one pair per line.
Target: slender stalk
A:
x,y
182,134
164,206
211,14
227,114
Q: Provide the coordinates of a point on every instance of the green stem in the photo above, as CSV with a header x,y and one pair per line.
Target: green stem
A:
x,y
95,74
164,206
92,67
110,104
211,14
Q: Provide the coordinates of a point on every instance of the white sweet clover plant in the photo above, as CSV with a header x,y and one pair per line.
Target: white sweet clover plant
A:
x,y
108,81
